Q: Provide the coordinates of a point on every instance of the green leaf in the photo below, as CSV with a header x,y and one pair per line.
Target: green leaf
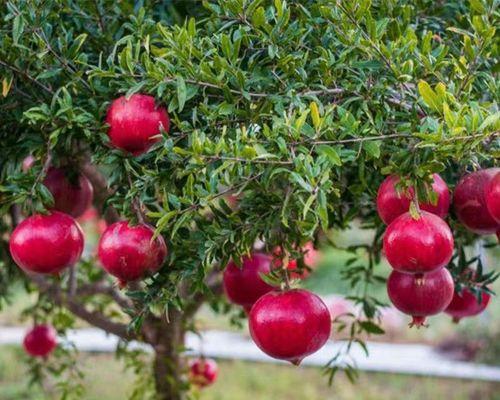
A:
x,y
371,327
429,96
372,147
331,154
259,17
17,28
489,121
181,92
315,115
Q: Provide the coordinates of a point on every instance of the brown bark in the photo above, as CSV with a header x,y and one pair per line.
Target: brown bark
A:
x,y
167,338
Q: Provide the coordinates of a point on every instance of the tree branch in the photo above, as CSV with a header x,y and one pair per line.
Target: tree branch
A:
x,y
27,76
92,317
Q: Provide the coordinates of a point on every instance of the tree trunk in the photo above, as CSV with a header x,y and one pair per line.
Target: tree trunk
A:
x,y
168,368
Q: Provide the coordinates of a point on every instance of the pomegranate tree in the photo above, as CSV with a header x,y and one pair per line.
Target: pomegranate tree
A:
x,y
418,244
46,244
136,122
40,341
225,127
392,202
420,295
129,252
243,284
203,372
290,325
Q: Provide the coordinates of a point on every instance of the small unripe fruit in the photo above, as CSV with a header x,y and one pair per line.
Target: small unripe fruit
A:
x,y
72,195
420,295
129,253
40,341
465,304
135,123
46,244
203,372
469,201
418,245
391,203
244,285
493,198
290,325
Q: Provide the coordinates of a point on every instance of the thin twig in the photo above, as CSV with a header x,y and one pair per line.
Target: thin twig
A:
x,y
100,20
245,160
27,76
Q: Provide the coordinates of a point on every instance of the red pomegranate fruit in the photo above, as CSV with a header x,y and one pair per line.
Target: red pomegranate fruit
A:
x,y
469,201
72,194
391,203
129,253
40,341
290,325
136,122
420,295
492,196
465,304
244,285
203,372
418,245
46,244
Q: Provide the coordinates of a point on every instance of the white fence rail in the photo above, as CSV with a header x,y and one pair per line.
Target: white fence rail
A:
x,y
384,357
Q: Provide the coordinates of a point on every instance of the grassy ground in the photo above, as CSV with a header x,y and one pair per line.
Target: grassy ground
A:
x,y
106,380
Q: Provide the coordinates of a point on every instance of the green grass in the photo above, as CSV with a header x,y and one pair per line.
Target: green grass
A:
x,y
105,379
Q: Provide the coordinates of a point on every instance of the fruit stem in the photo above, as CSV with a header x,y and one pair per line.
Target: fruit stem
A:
x,y
418,322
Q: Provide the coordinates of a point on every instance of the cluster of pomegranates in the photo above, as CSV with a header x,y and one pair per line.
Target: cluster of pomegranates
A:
x,y
286,324
49,243
420,245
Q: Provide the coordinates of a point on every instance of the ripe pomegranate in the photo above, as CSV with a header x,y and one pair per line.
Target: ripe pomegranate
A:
x,y
72,195
418,245
391,203
290,325
203,372
46,244
40,341
134,123
311,257
469,201
492,196
244,285
465,304
420,295
129,253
